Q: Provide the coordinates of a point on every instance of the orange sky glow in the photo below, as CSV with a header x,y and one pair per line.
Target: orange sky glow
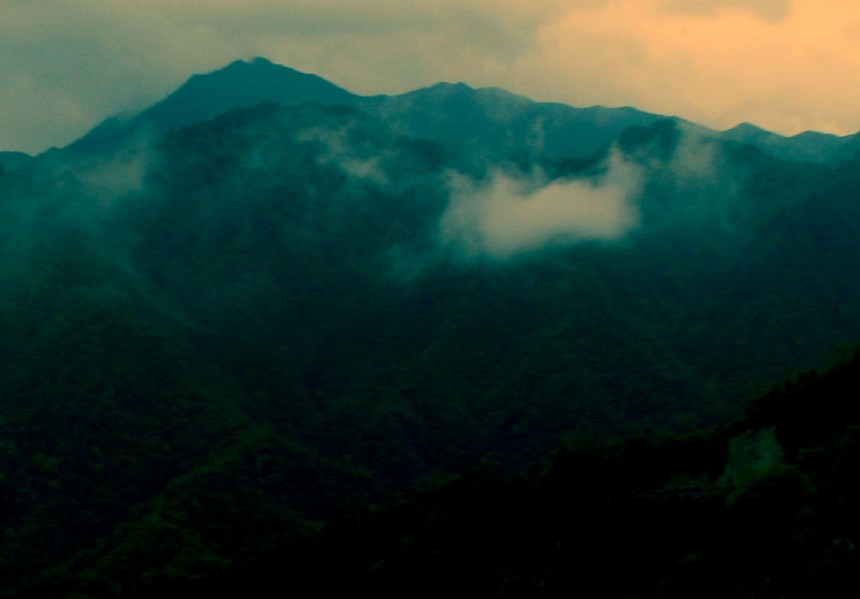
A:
x,y
795,72
785,65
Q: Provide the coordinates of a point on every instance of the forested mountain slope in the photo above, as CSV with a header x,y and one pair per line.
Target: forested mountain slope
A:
x,y
295,309
763,507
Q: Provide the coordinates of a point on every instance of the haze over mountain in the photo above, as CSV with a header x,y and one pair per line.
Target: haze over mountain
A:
x,y
442,113
265,301
487,120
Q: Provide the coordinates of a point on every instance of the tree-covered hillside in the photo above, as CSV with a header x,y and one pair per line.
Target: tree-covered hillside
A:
x,y
762,507
220,336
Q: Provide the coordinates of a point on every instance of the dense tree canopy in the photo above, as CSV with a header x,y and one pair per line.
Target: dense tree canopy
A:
x,y
220,337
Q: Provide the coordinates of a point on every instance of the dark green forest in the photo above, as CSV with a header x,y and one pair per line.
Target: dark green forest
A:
x,y
299,330
762,506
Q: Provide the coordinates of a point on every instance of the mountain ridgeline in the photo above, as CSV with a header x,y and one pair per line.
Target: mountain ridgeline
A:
x,y
265,301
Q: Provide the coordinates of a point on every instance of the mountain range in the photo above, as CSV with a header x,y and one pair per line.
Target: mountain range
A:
x,y
454,115
266,302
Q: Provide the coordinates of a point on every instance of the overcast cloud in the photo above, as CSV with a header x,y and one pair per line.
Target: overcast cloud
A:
x,y
784,65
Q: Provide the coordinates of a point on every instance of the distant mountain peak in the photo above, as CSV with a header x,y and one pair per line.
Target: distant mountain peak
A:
x,y
257,64
456,115
447,88
745,125
240,84
249,83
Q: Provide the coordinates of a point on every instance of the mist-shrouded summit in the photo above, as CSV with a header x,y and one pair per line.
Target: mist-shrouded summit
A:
x,y
239,84
487,121
459,117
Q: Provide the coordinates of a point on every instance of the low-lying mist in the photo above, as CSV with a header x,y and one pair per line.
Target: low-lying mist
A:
x,y
509,214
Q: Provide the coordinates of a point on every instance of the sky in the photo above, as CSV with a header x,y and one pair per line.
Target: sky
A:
x,y
785,65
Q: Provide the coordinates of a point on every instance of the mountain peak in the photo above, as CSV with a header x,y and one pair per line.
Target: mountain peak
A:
x,y
448,113
746,128
443,89
256,64
241,84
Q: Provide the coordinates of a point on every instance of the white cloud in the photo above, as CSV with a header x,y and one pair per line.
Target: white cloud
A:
x,y
509,215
